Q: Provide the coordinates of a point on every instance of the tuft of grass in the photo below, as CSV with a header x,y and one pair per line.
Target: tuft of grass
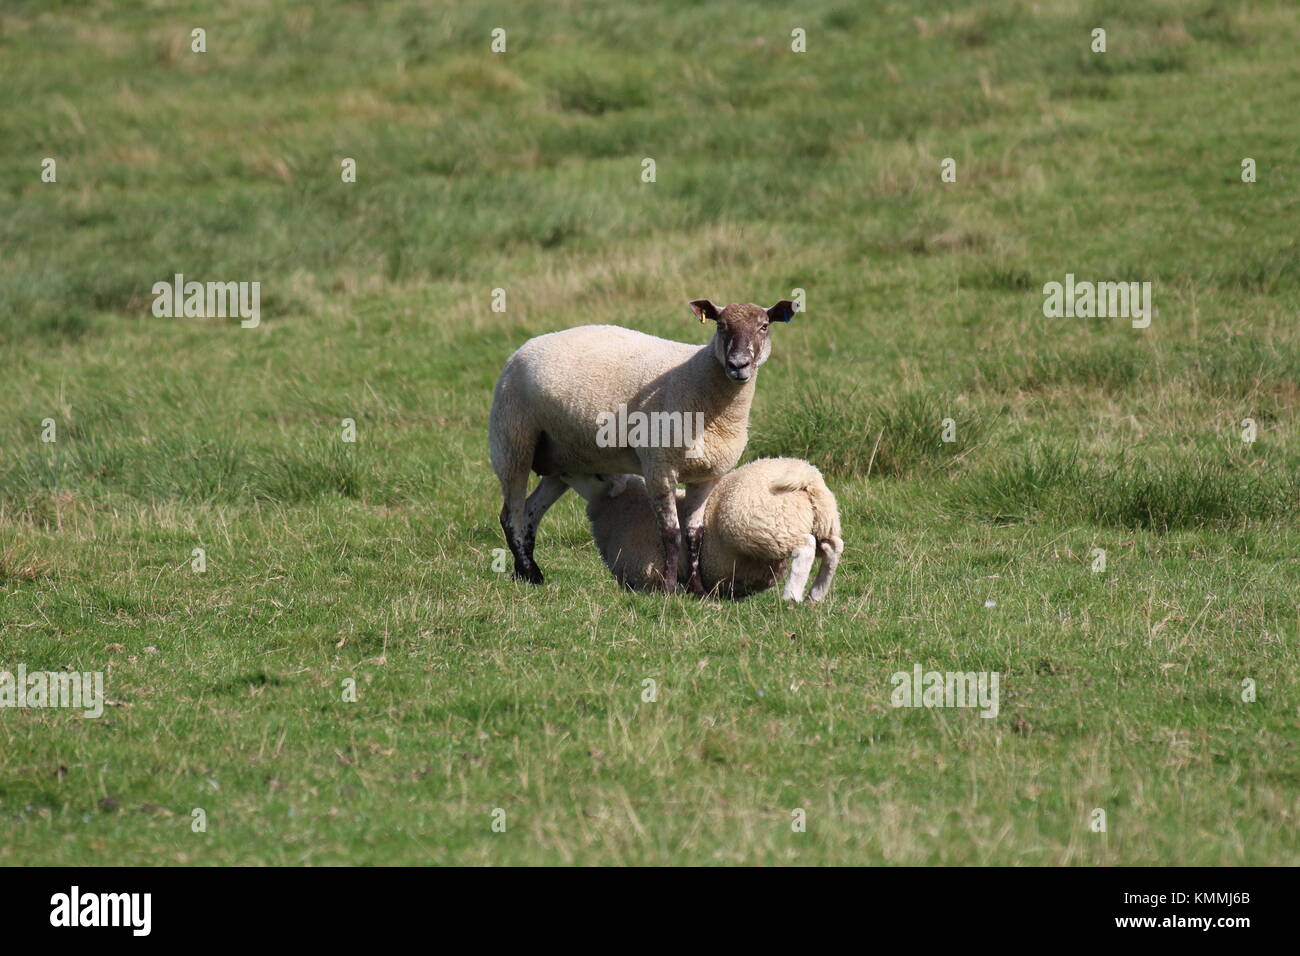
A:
x,y
852,434
1114,366
1165,496
19,565
1051,483
1018,489
583,89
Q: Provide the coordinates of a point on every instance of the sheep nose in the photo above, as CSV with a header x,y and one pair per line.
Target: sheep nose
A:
x,y
738,371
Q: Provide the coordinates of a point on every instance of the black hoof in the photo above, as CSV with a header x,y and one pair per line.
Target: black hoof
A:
x,y
532,575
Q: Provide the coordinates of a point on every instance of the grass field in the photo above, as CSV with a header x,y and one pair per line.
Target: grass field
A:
x,y
373,561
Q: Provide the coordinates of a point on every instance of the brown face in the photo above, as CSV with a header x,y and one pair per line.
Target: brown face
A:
x,y
741,344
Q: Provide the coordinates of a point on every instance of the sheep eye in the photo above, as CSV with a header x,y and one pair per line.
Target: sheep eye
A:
x,y
763,327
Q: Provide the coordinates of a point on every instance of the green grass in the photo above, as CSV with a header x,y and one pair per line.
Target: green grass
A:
x,y
372,561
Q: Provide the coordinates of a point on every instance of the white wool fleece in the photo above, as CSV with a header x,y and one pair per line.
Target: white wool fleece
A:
x,y
558,384
756,520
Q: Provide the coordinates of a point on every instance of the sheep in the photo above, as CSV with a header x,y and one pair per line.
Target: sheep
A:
x,y
770,516
557,393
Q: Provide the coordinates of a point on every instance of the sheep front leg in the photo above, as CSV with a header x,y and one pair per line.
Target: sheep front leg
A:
x,y
693,513
663,495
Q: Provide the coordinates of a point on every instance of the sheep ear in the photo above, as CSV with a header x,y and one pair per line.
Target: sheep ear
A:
x,y
617,485
783,311
705,309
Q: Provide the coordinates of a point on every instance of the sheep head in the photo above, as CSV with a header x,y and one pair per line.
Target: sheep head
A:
x,y
741,343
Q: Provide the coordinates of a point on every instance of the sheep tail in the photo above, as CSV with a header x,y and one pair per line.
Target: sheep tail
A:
x,y
801,476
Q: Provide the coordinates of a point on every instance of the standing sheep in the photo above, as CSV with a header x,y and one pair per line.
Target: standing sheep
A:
x,y
558,390
772,516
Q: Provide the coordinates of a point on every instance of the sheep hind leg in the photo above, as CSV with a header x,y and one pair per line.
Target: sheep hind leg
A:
x,y
514,522
801,563
831,549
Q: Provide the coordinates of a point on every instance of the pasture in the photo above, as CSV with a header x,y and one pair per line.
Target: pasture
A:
x,y
327,561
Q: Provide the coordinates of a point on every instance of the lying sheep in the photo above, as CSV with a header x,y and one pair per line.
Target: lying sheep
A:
x,y
556,389
772,516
